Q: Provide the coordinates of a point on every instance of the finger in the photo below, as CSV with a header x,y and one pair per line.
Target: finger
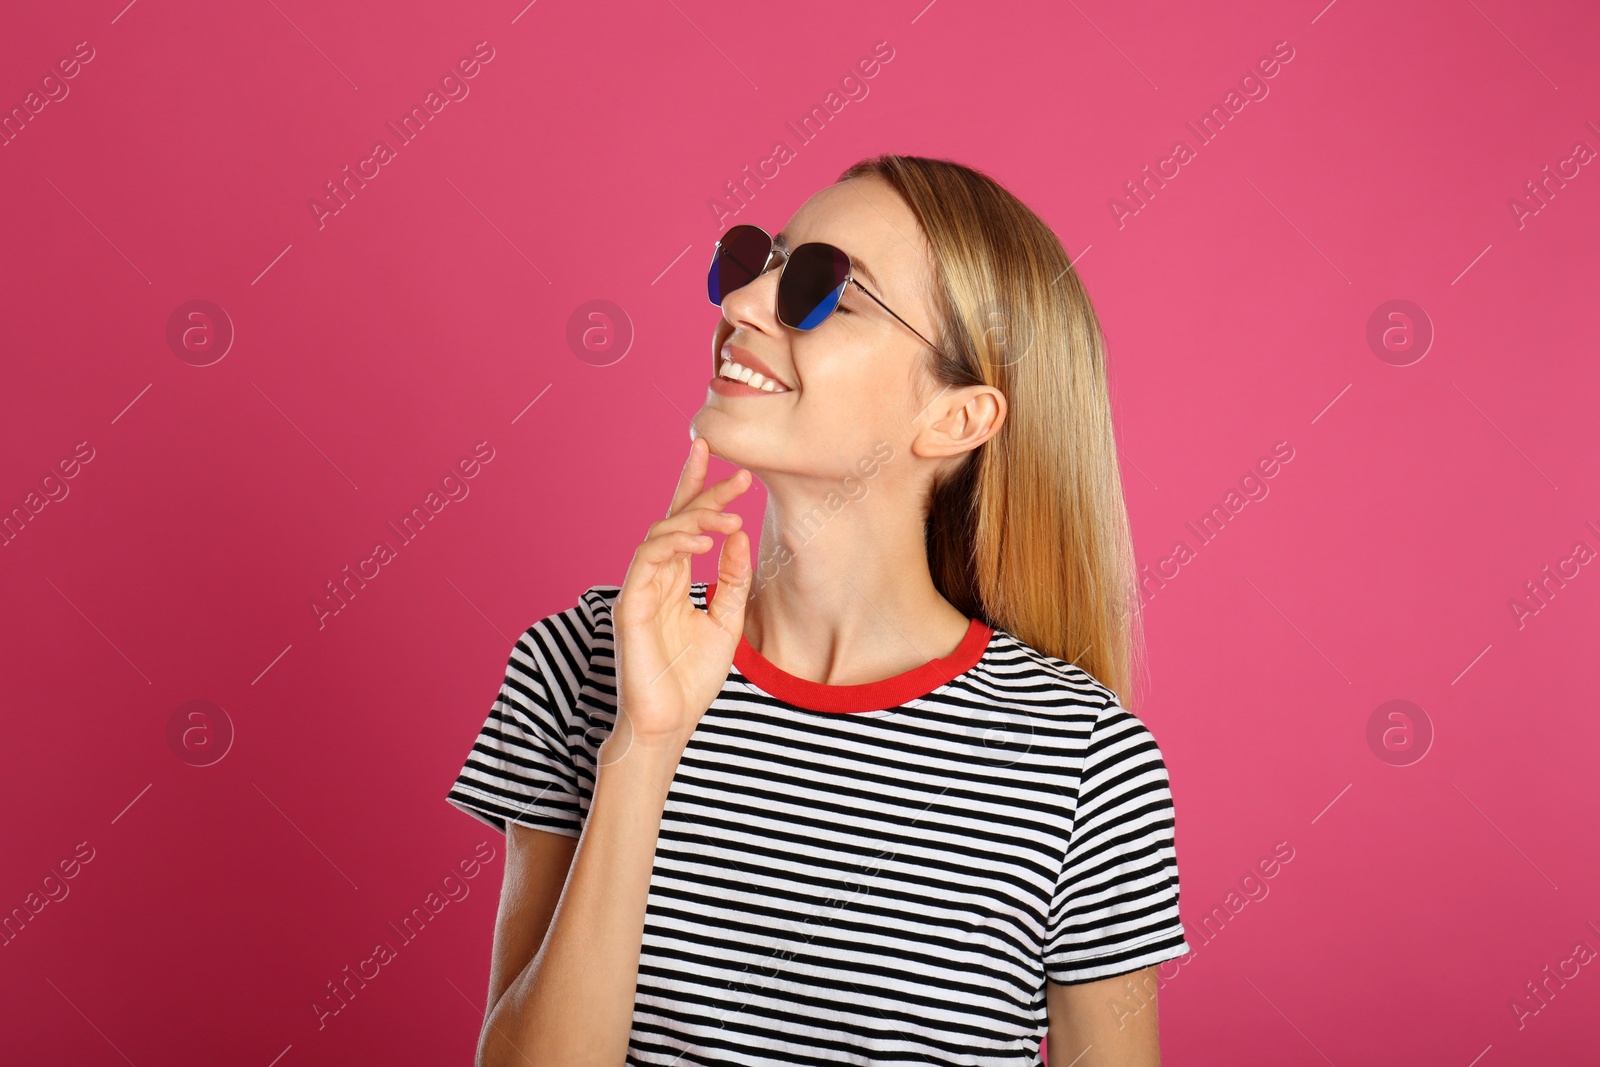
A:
x,y
663,548
693,477
721,493
697,520
734,572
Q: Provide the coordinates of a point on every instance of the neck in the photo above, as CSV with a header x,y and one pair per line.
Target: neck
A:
x,y
842,594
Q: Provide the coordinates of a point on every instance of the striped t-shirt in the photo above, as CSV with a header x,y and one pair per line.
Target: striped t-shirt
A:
x,y
884,873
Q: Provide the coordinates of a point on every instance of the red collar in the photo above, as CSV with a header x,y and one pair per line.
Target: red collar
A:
x,y
868,696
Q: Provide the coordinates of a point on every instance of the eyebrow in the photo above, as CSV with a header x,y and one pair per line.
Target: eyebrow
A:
x,y
782,242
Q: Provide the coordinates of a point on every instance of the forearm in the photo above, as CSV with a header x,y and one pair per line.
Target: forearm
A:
x,y
573,1003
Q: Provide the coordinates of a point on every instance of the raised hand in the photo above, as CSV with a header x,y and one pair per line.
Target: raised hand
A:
x,y
672,658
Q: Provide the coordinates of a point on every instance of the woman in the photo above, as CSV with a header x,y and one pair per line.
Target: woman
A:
x,y
875,799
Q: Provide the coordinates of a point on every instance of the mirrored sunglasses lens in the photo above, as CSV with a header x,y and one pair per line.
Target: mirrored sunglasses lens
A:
x,y
740,256
811,286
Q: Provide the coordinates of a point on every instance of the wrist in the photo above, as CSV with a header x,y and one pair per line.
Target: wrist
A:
x,y
626,747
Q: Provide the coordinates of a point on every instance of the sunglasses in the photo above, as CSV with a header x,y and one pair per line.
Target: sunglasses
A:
x,y
812,281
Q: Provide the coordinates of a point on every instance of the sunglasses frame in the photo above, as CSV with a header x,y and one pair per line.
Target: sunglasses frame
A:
x,y
838,291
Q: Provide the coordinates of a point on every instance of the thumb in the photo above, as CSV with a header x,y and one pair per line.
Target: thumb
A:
x,y
734,574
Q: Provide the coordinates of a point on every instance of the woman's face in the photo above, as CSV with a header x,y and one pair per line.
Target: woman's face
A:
x,y
855,380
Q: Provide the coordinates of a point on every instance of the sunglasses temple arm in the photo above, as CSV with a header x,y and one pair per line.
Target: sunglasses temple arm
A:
x,y
902,322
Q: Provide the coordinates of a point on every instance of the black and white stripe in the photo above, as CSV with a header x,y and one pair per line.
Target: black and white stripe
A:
x,y
884,887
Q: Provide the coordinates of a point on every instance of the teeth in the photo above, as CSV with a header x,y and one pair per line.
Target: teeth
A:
x,y
739,372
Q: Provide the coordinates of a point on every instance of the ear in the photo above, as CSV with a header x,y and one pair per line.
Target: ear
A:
x,y
959,420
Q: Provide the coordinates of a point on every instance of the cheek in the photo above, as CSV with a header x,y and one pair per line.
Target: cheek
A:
x,y
849,382
855,398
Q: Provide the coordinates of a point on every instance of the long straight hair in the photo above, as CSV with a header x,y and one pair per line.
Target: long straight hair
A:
x,y
1030,532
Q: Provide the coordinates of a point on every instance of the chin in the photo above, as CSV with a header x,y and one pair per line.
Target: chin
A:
x,y
727,438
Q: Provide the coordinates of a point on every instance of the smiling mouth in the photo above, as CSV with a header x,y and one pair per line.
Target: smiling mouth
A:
x,y
738,372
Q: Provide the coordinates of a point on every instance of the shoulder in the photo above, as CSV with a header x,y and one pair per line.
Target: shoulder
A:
x,y
1100,735
596,603
568,642
1121,742
584,622
1025,673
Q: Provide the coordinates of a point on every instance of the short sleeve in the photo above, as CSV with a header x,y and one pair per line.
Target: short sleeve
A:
x,y
521,767
1115,907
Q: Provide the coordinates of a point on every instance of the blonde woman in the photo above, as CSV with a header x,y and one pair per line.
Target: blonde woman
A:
x,y
876,798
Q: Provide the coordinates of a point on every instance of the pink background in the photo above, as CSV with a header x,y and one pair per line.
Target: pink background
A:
x,y
432,312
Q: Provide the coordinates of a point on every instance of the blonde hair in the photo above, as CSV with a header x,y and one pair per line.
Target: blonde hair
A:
x,y
1030,532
